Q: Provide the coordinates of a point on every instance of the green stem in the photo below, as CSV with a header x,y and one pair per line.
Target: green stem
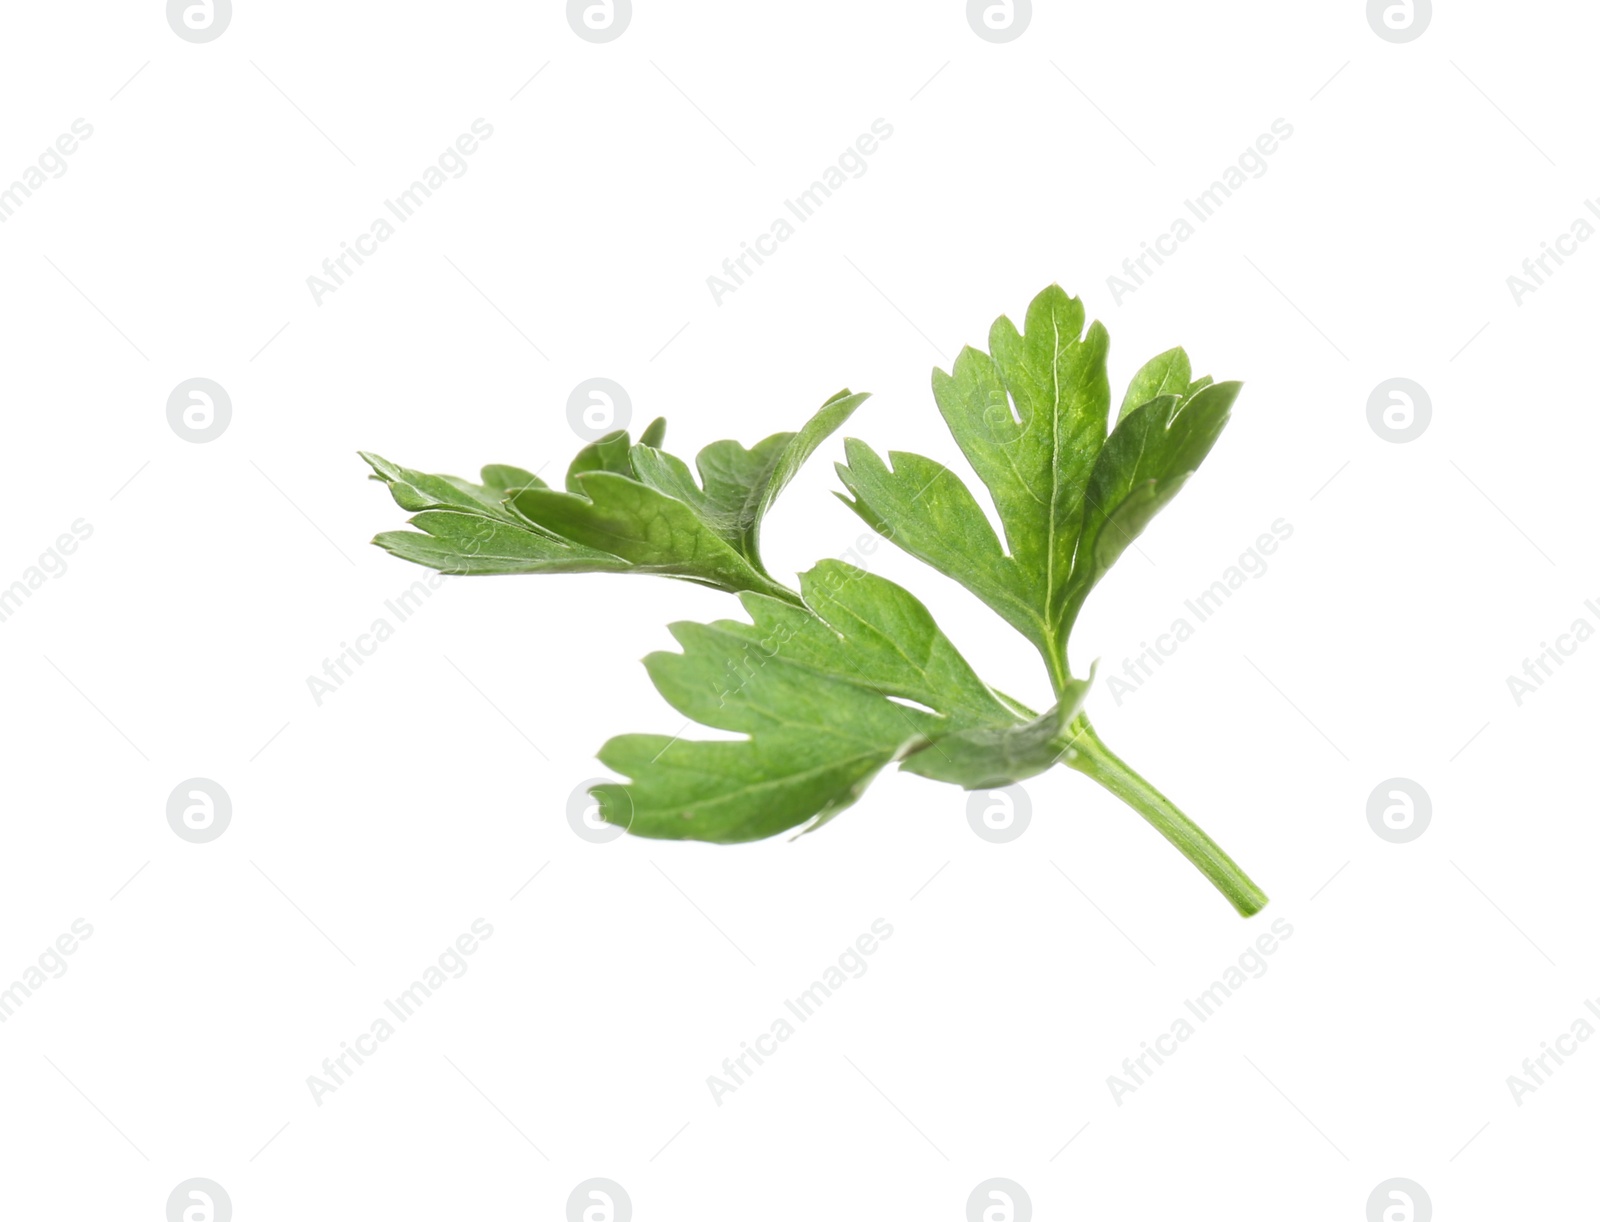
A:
x,y
1093,758
1055,661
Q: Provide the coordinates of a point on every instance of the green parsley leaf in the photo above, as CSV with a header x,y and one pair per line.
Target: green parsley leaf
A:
x,y
626,508
1032,420
827,695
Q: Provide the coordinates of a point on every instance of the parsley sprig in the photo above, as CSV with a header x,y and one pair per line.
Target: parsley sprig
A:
x,y
830,683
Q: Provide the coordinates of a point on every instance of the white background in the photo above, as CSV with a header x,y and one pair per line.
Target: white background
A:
x,y
369,831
